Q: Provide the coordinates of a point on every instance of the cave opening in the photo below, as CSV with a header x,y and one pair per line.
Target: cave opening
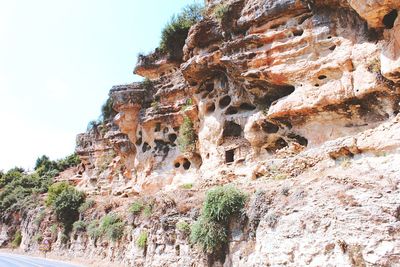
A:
x,y
229,156
269,127
209,87
389,19
231,110
247,106
210,107
158,127
231,129
172,137
225,101
177,165
145,147
186,164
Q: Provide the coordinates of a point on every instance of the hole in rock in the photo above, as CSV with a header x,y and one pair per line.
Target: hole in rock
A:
x,y
229,156
231,129
321,77
193,83
145,147
225,101
316,85
186,164
209,87
269,127
166,130
139,141
298,32
329,37
177,165
389,19
210,107
332,47
247,106
251,55
280,143
158,127
172,137
299,139
176,129
231,111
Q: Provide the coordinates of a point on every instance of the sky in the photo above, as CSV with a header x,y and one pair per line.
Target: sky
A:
x,y
59,59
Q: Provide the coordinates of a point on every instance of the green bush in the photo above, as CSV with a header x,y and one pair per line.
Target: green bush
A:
x,y
86,205
209,235
187,137
136,207
210,230
223,201
55,190
66,206
112,227
79,226
141,241
17,239
174,34
183,226
93,229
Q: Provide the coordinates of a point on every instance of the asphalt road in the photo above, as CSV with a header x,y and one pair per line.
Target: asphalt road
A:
x,y
13,260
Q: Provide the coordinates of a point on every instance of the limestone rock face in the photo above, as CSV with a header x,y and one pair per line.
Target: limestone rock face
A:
x,y
293,101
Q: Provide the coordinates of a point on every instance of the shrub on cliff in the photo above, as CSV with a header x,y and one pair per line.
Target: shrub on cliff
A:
x,y
141,241
222,202
55,190
93,229
174,34
17,239
209,235
79,226
66,205
187,137
112,227
210,230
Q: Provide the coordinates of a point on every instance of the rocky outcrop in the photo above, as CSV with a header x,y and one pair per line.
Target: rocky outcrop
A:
x,y
295,102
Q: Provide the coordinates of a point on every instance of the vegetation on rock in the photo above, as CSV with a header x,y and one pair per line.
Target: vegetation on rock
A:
x,y
210,230
66,206
17,239
141,241
187,136
112,227
174,34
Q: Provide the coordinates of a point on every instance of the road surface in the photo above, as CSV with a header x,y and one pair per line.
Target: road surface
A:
x,y
14,260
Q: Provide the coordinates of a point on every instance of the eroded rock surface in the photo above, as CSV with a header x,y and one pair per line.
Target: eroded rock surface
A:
x,y
294,101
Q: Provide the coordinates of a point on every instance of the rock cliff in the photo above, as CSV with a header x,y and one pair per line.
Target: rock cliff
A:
x,y
295,102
